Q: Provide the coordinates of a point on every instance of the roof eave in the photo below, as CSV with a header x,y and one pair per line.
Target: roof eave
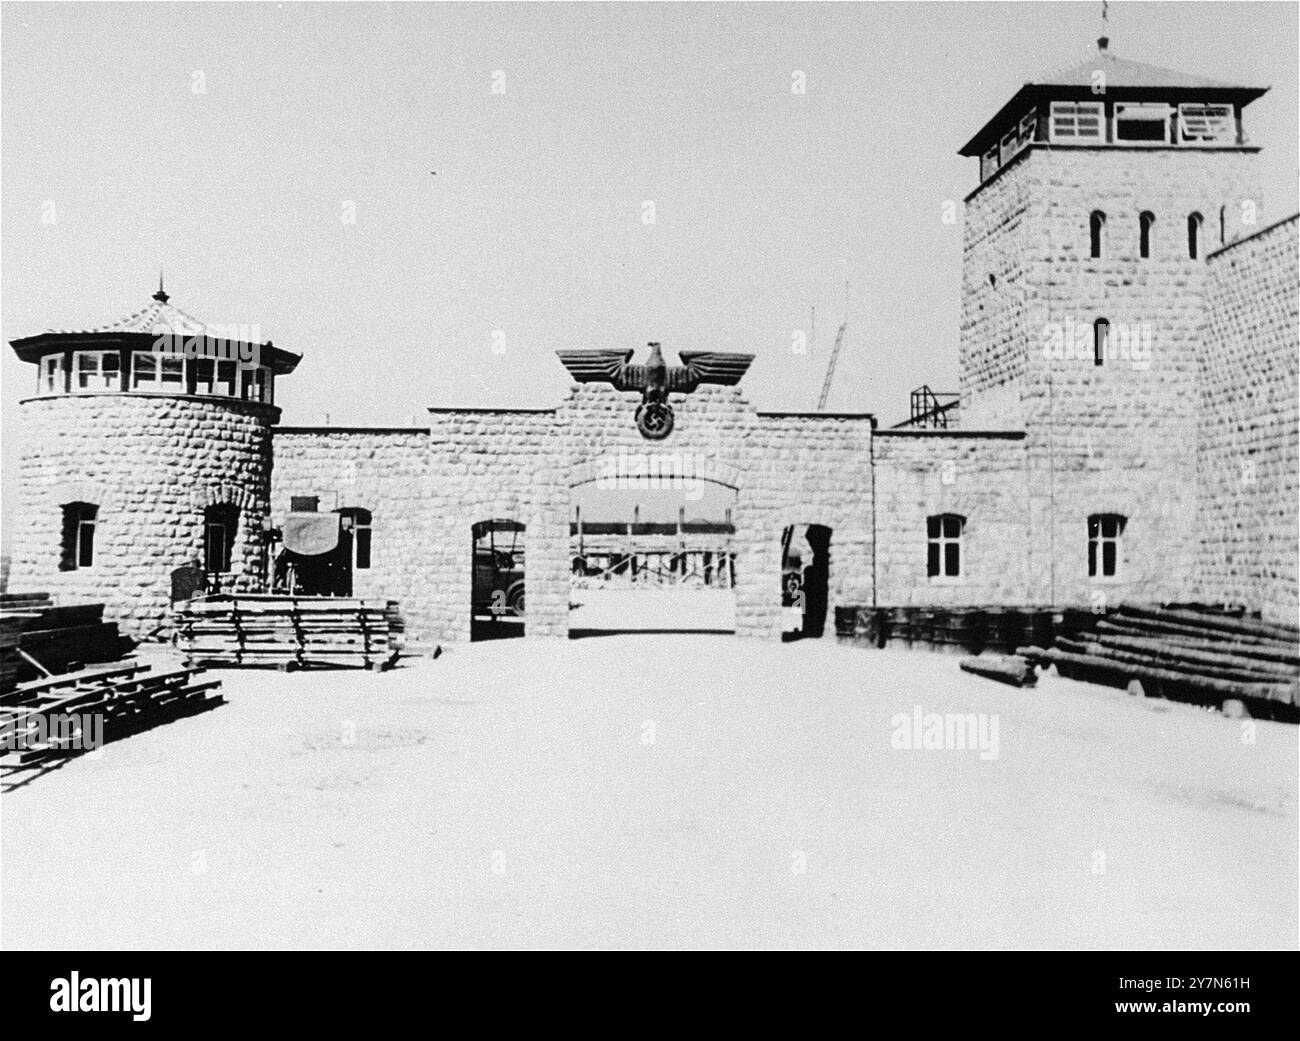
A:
x,y
1034,92
30,348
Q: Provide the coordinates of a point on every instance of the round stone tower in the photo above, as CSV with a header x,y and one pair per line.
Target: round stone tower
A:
x,y
145,448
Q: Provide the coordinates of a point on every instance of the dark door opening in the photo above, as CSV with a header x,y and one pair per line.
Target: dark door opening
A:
x,y
805,580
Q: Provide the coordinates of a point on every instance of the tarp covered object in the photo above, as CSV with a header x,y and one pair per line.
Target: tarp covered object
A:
x,y
311,534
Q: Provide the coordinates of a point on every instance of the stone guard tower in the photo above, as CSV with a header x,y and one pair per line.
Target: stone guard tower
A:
x,y
137,461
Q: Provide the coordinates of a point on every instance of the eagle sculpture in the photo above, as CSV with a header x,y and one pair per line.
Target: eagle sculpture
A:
x,y
655,379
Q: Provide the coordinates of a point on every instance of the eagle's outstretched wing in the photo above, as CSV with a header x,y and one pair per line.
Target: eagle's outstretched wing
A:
x,y
708,367
600,366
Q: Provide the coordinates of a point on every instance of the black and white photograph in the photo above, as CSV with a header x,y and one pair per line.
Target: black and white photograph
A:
x,y
650,477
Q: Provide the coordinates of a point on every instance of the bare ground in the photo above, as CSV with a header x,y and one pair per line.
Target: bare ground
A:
x,y
660,791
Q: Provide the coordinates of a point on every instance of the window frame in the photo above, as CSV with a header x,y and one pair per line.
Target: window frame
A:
x,y
48,374
1072,111
1227,139
938,548
77,544
1146,235
222,517
1195,236
1097,235
1098,540
359,522
1144,112
99,371
1100,341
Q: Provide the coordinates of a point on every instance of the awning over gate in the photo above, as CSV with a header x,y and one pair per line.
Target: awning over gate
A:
x,y
311,534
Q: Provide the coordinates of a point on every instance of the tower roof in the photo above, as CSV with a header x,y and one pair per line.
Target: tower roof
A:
x,y
157,318
1124,80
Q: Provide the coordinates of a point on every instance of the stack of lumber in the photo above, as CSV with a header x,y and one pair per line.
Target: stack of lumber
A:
x,y
1005,668
1199,655
66,715
59,638
289,632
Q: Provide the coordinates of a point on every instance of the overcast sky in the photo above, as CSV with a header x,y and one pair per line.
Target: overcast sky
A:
x,y
765,201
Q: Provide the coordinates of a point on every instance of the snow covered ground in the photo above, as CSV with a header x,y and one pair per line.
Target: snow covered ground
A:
x,y
648,791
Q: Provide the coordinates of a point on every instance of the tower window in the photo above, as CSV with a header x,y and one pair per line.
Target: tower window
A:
x,y
1100,340
1146,233
1076,122
1206,124
1223,225
213,376
219,524
98,370
1105,531
78,547
256,384
943,545
1096,232
153,370
357,521
1142,124
1194,222
50,375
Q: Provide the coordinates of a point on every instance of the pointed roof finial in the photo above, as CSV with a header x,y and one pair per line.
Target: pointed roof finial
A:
x,y
160,296
1103,41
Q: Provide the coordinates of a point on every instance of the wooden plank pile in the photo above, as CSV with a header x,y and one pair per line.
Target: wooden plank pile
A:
x,y
52,719
289,632
1237,663
1004,668
59,638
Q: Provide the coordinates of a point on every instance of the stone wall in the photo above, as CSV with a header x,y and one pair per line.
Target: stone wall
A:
x,y
1249,425
151,463
979,476
383,471
1119,437
426,489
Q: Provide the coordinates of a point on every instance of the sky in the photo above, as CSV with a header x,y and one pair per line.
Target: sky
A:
x,y
498,161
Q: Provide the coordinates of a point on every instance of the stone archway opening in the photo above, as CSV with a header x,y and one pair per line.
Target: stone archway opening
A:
x,y
805,580
498,602
652,553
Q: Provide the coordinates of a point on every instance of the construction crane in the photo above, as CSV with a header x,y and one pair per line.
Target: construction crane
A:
x,y
835,355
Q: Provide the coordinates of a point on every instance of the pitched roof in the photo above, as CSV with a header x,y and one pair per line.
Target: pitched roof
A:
x,y
158,316
1121,72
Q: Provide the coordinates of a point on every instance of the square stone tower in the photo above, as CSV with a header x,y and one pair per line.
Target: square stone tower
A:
x,y
1102,190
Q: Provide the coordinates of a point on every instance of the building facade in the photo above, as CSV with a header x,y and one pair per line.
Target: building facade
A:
x,y
1127,426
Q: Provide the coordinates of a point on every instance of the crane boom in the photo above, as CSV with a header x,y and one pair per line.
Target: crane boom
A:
x,y
830,367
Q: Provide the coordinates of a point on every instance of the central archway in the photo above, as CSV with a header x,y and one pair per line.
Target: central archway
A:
x,y
652,545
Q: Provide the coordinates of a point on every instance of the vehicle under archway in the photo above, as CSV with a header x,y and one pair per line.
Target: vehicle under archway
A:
x,y
497,597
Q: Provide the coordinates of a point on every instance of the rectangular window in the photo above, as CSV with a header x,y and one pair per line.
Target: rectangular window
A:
x,y
203,375
98,370
256,384
50,375
219,524
1142,124
227,380
989,163
1076,122
78,550
1104,533
943,548
1206,124
144,370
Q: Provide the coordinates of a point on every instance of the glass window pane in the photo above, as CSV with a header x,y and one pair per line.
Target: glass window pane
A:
x,y
932,562
952,559
1092,559
932,527
951,526
1108,558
